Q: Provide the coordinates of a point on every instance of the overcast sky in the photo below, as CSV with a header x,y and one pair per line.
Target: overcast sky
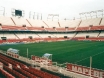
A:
x,y
65,8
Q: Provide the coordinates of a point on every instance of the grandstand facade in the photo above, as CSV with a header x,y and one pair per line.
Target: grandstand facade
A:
x,y
18,29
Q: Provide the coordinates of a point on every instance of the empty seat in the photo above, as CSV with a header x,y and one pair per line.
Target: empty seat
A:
x,y
15,73
83,28
84,34
88,22
6,21
37,23
36,28
20,21
52,24
61,29
6,74
70,24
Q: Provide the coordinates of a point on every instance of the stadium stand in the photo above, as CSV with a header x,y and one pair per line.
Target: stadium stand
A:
x,y
17,29
61,35
72,28
102,22
6,74
37,25
84,34
100,26
89,24
52,25
70,25
87,36
19,21
6,21
8,35
13,23
101,34
46,35
20,70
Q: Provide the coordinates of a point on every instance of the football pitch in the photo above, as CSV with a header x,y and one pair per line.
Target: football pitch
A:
x,y
76,52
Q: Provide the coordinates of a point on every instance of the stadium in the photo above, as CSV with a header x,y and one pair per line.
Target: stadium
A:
x,y
53,48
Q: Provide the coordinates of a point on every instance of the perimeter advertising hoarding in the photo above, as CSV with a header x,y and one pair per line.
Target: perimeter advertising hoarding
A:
x,y
95,73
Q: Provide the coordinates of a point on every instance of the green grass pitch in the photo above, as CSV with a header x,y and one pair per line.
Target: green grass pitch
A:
x,y
77,52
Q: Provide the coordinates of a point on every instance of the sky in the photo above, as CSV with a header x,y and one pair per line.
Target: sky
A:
x,y
65,8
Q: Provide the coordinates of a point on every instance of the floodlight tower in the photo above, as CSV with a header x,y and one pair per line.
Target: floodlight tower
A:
x,y
80,15
90,15
35,15
95,13
85,15
101,12
52,16
49,15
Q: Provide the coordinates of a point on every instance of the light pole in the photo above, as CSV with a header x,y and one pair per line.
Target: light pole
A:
x,y
41,16
100,11
90,15
90,65
85,15
27,52
3,10
80,15
52,17
49,16
95,13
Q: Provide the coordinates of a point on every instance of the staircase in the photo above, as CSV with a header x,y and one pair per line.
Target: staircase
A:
x,y
16,36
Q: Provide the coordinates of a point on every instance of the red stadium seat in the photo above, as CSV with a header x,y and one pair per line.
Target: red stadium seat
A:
x,y
35,28
6,74
82,29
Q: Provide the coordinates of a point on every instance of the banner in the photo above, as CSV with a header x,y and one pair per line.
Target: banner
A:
x,y
41,60
95,73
